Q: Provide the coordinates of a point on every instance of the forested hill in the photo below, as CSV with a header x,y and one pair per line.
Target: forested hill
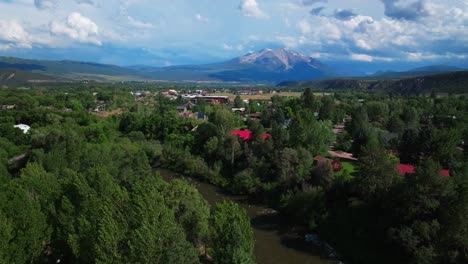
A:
x,y
338,84
14,77
453,82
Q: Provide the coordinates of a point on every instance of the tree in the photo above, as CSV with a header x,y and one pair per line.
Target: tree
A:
x,y
155,236
232,236
306,208
190,209
327,111
378,171
26,231
417,224
323,175
238,103
308,100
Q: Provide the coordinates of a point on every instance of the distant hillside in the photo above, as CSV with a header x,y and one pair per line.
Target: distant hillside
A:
x,y
71,69
453,82
339,84
421,71
14,77
265,66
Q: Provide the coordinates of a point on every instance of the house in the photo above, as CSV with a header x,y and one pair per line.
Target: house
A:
x,y
238,110
190,105
404,169
247,135
23,127
215,99
342,155
256,116
336,165
7,107
181,108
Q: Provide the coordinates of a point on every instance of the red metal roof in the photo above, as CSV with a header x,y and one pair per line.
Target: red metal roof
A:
x,y
247,135
405,168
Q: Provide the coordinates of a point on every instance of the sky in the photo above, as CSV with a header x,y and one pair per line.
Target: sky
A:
x,y
365,34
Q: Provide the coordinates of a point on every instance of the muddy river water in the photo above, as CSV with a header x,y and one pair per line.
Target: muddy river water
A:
x,y
274,244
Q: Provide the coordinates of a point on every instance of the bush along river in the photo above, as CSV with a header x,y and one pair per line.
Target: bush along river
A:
x,y
274,243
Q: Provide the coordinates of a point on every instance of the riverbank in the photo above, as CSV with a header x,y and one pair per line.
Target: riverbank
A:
x,y
274,244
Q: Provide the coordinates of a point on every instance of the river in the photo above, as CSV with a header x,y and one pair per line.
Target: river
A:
x,y
273,243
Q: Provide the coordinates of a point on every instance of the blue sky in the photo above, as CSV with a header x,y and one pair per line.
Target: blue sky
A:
x,y
367,34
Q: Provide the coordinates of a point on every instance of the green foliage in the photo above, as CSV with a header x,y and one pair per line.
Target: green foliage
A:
x,y
377,171
306,208
232,237
190,209
26,231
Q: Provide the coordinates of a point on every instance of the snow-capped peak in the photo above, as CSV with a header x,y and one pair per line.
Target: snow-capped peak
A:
x,y
279,56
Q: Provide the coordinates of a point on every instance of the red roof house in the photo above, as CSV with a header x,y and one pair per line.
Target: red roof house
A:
x,y
247,135
335,164
410,169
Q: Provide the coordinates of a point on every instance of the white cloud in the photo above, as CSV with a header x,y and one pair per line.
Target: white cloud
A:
x,y
228,47
139,24
304,27
13,35
201,18
77,27
288,41
250,8
362,57
429,37
363,44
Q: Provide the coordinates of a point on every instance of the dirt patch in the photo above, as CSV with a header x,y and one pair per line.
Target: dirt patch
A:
x,y
105,114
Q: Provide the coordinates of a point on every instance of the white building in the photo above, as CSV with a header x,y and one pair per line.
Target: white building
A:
x,y
23,127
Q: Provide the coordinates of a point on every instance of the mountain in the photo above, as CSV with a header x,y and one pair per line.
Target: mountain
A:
x,y
71,69
15,77
267,65
452,82
421,71
274,66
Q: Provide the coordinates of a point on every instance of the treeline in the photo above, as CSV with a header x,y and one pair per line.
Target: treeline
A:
x,y
86,193
370,213
447,83
367,211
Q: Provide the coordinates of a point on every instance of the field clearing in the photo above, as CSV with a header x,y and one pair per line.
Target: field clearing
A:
x,y
348,171
109,113
266,96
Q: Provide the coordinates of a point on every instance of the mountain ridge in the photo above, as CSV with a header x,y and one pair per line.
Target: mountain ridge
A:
x,y
267,66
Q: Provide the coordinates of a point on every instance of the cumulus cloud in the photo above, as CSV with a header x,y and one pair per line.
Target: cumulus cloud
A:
x,y
77,27
344,14
250,8
46,4
13,35
438,35
405,9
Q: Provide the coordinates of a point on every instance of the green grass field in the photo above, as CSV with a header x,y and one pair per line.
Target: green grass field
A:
x,y
259,96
